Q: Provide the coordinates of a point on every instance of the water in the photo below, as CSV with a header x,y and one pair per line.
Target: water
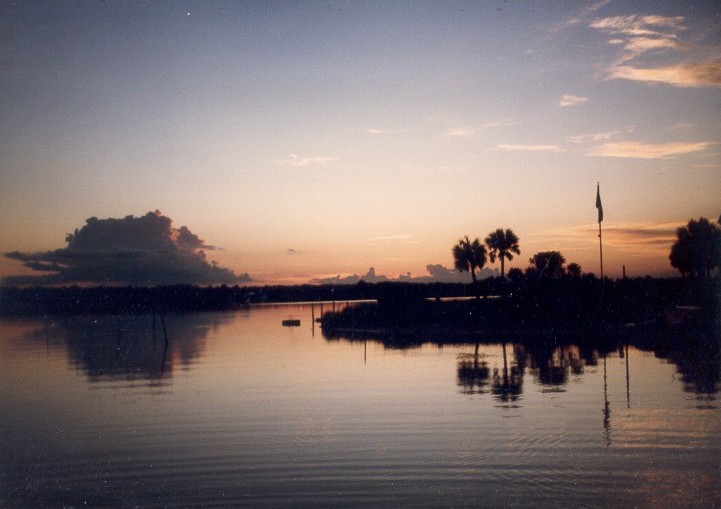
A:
x,y
236,410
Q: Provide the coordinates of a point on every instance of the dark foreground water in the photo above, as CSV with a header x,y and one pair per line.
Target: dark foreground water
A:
x,y
237,410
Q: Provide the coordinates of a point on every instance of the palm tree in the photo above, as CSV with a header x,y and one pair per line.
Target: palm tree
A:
x,y
502,243
468,256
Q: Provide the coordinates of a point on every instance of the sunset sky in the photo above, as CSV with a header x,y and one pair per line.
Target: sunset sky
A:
x,y
314,139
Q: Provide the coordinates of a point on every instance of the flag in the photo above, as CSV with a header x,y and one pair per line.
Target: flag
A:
x,y
598,203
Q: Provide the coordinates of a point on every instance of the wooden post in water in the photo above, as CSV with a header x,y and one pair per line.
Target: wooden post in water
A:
x,y
165,332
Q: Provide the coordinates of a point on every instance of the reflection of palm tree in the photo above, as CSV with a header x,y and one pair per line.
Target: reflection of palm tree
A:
x,y
501,243
510,386
468,256
551,365
472,373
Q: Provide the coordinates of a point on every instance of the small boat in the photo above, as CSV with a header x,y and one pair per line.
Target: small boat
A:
x,y
291,322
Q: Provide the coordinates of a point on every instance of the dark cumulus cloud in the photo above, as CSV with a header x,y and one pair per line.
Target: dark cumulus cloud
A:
x,y
143,250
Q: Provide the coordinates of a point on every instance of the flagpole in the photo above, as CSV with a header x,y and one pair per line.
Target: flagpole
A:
x,y
600,219
600,247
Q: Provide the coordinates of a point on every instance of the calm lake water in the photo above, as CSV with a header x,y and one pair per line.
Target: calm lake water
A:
x,y
237,410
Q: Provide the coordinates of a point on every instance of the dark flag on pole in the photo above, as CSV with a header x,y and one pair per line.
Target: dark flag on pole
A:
x,y
598,203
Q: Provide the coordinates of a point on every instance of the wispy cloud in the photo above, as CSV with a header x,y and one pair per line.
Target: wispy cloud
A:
x,y
395,237
598,137
380,131
651,238
638,45
639,150
531,148
465,132
581,16
681,126
636,25
499,123
571,100
703,74
452,167
297,161
657,34
461,132
651,235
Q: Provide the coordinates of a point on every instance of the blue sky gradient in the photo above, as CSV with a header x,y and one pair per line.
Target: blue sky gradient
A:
x,y
311,139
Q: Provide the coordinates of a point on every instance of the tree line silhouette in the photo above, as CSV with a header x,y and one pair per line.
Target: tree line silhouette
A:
x,y
471,255
549,297
546,292
696,252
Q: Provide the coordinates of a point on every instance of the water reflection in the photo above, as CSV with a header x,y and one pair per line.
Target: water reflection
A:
x,y
473,373
259,415
129,347
151,347
553,366
699,367
508,386
606,405
549,365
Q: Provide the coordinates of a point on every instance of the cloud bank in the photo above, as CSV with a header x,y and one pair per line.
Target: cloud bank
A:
x,y
437,274
143,250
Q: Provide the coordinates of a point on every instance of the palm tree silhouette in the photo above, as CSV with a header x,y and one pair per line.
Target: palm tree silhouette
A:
x,y
501,243
468,256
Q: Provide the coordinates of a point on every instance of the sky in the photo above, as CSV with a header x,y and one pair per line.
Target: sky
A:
x,y
307,140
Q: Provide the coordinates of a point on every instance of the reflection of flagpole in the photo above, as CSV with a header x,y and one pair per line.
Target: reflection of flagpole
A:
x,y
600,219
628,385
606,406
